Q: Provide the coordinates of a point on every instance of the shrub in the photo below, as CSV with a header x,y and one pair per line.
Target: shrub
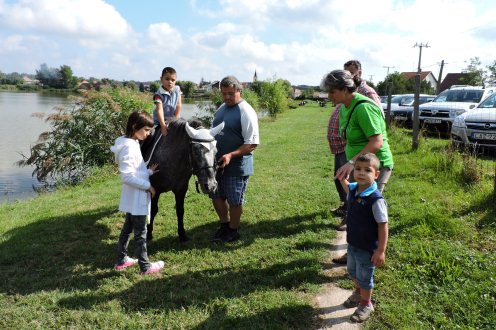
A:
x,y
273,97
81,135
252,98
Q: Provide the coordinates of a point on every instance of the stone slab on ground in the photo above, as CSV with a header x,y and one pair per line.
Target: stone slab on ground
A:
x,y
329,302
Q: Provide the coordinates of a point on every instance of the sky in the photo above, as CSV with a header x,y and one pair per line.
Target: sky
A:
x,y
297,40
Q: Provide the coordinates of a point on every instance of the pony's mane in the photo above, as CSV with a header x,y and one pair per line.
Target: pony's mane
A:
x,y
177,126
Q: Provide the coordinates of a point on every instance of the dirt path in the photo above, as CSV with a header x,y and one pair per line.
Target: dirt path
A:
x,y
329,302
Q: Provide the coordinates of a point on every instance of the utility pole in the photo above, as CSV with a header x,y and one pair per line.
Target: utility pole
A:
x,y
415,138
389,86
388,67
370,77
438,89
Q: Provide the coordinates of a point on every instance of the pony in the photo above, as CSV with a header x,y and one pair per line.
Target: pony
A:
x,y
187,149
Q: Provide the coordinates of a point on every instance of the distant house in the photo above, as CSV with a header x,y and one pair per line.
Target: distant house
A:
x,y
296,92
452,79
84,85
213,86
28,81
424,75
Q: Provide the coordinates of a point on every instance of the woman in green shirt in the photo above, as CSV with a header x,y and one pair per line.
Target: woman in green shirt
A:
x,y
361,124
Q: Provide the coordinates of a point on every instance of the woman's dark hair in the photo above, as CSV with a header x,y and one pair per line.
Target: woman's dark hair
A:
x,y
338,79
136,121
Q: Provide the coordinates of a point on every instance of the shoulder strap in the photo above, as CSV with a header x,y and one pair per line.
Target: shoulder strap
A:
x,y
352,110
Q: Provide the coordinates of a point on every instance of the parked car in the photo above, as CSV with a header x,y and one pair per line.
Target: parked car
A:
x,y
476,127
441,112
403,112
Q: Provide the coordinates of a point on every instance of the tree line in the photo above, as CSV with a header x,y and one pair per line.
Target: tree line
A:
x,y
63,78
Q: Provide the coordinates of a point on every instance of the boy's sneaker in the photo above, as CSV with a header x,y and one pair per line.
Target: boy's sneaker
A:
x,y
230,235
353,300
224,227
342,225
343,260
154,268
339,211
128,262
362,313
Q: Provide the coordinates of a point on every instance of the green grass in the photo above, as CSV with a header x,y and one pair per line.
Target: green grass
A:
x,y
57,251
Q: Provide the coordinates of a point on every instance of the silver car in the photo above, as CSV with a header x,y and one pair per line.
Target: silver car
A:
x,y
402,113
476,127
441,112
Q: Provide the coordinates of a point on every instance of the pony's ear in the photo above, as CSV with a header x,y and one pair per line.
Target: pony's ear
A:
x,y
216,130
190,130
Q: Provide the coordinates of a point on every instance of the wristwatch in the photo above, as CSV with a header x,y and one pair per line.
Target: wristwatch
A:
x,y
351,162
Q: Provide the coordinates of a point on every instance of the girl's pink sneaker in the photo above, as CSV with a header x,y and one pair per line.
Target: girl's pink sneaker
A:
x,y
128,262
154,268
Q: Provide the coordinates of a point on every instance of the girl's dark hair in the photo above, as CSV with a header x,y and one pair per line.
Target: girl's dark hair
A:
x,y
168,69
136,121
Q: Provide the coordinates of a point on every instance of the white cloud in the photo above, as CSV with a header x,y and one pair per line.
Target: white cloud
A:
x,y
71,18
245,46
215,37
164,38
13,43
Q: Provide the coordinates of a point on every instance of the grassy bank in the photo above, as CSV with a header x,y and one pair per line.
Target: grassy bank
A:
x,y
57,251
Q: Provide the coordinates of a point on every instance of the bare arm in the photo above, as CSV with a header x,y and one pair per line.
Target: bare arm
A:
x,y
374,144
244,149
159,108
379,256
179,105
345,183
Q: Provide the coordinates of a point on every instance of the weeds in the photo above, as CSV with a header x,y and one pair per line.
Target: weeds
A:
x,y
81,135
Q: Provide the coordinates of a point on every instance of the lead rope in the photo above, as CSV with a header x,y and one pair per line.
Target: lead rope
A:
x,y
153,149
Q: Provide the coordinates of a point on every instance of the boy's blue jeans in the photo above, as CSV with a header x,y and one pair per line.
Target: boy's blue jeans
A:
x,y
360,267
138,224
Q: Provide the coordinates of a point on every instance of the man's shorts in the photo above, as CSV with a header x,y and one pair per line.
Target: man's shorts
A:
x,y
360,267
231,188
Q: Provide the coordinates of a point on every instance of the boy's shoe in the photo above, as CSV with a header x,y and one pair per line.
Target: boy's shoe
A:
x,y
224,227
339,211
128,262
353,300
343,260
342,225
154,268
362,313
230,235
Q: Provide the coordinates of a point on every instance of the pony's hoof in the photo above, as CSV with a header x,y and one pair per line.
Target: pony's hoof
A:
x,y
149,236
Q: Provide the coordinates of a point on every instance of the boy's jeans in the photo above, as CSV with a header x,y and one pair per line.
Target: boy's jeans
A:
x,y
138,224
360,267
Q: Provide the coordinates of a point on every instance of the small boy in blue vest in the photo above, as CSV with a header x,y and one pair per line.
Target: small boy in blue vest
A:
x,y
366,233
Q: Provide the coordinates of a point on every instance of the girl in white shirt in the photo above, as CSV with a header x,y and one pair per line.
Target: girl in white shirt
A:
x,y
136,192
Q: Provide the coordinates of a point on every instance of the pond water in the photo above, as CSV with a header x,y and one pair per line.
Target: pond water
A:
x,y
20,129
